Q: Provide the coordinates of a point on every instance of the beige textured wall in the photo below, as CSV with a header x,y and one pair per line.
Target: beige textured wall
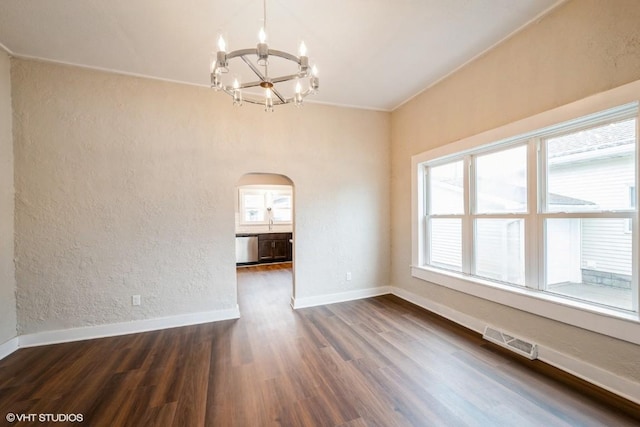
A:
x,y
582,48
7,269
126,186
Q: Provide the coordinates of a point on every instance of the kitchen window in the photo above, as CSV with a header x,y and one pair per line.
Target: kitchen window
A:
x,y
547,214
265,205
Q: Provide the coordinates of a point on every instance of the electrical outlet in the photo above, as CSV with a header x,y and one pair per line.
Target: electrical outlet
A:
x,y
135,300
348,275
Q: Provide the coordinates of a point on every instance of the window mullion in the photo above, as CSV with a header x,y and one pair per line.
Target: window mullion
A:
x,y
635,233
424,252
532,232
541,200
467,219
635,292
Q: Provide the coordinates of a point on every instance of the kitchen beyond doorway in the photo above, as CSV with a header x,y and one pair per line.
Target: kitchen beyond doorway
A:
x,y
264,222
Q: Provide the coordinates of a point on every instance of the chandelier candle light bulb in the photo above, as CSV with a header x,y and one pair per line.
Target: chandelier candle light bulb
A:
x,y
297,98
268,101
263,49
216,83
274,93
314,83
221,57
304,59
222,46
237,93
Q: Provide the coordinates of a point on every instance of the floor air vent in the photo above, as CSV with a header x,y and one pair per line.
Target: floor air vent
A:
x,y
517,345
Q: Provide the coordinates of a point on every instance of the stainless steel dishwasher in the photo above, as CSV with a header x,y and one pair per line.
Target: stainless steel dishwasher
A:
x,y
246,249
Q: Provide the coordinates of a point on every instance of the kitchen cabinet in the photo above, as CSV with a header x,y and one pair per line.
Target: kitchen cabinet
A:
x,y
274,247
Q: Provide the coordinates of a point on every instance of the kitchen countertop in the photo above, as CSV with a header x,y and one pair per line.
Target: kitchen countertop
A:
x,y
262,232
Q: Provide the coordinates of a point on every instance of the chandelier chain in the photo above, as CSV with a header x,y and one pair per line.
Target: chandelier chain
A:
x,y
264,16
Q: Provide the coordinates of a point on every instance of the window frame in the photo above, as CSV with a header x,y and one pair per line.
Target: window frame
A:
x,y
272,194
242,193
633,197
610,321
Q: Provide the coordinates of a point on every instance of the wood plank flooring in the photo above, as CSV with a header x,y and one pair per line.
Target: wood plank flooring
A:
x,y
375,362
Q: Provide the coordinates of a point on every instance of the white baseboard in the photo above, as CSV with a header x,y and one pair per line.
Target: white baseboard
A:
x,y
630,390
605,379
8,347
297,303
124,328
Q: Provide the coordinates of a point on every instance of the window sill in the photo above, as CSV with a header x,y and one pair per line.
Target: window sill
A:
x,y
614,323
262,224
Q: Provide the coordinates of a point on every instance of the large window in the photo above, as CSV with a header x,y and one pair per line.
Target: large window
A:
x,y
551,211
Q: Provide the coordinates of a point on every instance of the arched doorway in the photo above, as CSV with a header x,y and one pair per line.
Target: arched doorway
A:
x,y
264,229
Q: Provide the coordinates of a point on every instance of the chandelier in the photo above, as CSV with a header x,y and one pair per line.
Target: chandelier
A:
x,y
303,78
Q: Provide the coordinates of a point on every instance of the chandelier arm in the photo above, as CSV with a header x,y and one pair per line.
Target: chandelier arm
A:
x,y
241,52
253,101
272,52
260,101
287,78
254,68
250,84
276,93
262,77
285,55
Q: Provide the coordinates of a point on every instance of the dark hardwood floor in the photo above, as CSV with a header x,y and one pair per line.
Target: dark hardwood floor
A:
x,y
374,362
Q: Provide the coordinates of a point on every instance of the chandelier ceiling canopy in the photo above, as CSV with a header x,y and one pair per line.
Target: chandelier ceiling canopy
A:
x,y
293,80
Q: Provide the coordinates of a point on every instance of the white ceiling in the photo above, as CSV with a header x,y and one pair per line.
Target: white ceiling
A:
x,y
372,54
